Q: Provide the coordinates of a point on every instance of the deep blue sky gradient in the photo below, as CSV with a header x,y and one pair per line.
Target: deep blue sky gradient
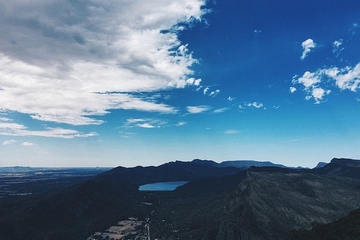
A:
x,y
250,52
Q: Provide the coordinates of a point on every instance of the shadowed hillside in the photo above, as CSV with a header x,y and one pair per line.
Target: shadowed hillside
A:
x,y
222,203
346,228
78,211
257,204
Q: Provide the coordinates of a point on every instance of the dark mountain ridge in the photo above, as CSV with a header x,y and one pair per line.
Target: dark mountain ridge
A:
x,y
172,171
340,167
346,162
257,204
80,210
249,163
217,203
344,228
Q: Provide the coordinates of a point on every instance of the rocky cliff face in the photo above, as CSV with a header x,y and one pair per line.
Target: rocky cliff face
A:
x,y
270,205
261,205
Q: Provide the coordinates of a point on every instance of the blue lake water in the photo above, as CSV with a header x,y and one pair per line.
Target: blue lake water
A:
x,y
161,186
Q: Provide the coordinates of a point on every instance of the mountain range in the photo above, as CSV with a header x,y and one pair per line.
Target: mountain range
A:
x,y
228,200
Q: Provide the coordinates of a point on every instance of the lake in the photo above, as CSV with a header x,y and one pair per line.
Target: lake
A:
x,y
161,186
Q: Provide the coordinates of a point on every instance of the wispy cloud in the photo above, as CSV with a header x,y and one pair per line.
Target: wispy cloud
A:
x,y
197,109
8,142
220,110
211,93
230,99
179,124
307,45
144,123
206,90
258,105
338,47
231,131
214,93
27,144
14,129
66,62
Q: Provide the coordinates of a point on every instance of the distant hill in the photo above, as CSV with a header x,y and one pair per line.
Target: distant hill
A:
x,y
244,164
320,165
172,171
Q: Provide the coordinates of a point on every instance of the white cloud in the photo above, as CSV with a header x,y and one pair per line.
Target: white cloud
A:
x,y
230,98
354,28
337,47
5,119
27,144
231,131
193,81
214,93
8,142
206,90
144,123
345,78
316,83
308,79
292,89
318,94
307,45
257,105
197,109
14,129
179,124
135,120
220,110
252,105
66,62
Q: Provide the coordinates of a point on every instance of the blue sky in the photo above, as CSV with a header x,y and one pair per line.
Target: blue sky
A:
x,y
109,83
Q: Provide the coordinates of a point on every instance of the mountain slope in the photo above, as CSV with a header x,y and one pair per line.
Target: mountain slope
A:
x,y
256,205
341,167
346,228
79,211
221,203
